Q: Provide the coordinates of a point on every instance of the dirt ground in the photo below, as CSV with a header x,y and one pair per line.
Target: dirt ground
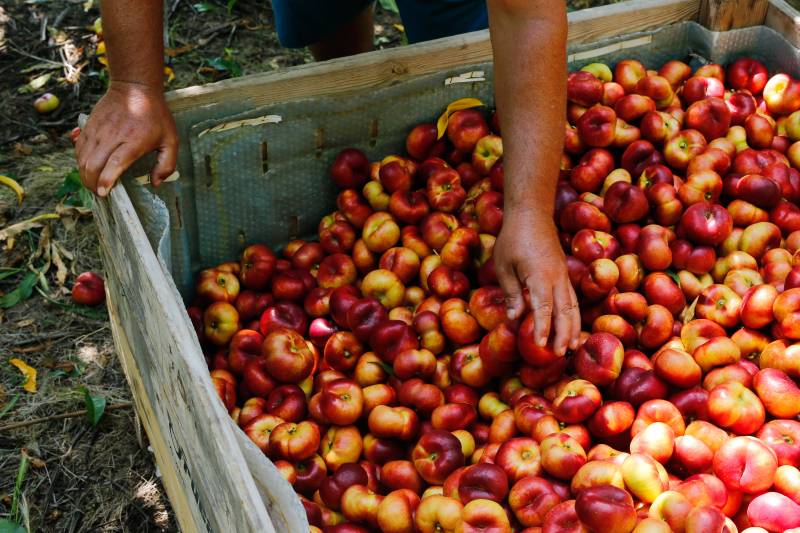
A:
x,y
67,474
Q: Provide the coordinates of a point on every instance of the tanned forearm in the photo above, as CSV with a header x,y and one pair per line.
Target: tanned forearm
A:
x,y
133,31
529,43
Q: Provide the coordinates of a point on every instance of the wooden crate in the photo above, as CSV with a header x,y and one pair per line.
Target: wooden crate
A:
x,y
216,479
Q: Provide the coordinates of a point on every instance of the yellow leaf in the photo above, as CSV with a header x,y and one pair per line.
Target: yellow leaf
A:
x,y
101,48
103,60
458,105
14,186
169,73
28,371
399,27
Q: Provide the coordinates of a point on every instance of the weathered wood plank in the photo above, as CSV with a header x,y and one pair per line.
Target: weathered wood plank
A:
x,y
205,472
169,475
374,69
784,19
602,22
721,15
283,505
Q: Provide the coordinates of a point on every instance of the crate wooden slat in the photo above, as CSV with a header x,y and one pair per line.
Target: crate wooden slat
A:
x,y
204,472
215,478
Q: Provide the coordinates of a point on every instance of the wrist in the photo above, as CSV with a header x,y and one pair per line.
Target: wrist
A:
x,y
136,87
528,210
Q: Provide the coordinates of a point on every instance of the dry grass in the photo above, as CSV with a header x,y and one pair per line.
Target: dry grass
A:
x,y
81,478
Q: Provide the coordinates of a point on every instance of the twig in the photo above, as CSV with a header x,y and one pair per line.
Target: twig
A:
x,y
62,416
60,17
172,9
37,58
230,36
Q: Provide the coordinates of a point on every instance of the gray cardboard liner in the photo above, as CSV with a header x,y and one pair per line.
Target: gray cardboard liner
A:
x,y
230,196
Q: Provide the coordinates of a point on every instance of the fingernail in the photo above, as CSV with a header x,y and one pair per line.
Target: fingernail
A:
x,y
542,341
101,191
510,314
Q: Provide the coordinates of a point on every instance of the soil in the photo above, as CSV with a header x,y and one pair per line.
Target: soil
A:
x,y
80,476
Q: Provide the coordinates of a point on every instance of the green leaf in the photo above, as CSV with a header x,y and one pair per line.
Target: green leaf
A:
x,y
230,66
95,405
73,190
22,292
231,4
36,83
8,272
71,183
389,5
9,406
389,369
7,526
674,276
23,469
204,7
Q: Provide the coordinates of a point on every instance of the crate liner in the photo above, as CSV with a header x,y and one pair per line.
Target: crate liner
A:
x,y
268,181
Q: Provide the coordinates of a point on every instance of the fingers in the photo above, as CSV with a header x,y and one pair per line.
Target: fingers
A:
x,y
92,159
120,159
507,278
567,317
166,159
542,307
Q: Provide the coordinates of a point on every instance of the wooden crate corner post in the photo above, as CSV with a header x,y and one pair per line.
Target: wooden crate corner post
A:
x,y
721,15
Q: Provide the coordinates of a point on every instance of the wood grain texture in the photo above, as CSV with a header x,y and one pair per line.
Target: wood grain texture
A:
x,y
386,67
169,475
205,474
721,15
784,19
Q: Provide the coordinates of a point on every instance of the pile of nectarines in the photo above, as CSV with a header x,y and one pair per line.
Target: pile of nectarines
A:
x,y
377,369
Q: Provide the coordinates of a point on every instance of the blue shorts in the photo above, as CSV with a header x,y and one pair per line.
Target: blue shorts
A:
x,y
304,22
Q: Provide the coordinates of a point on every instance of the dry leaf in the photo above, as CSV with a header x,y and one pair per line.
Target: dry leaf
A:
x,y
28,371
22,149
13,230
687,315
36,462
70,214
61,268
458,105
174,52
25,323
12,184
64,252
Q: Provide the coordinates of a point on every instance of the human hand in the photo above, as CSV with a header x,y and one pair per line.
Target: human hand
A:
x,y
528,254
129,121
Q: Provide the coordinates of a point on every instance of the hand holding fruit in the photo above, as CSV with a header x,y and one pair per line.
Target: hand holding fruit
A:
x,y
130,121
529,257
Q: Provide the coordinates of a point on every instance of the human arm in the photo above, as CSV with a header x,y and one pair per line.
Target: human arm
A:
x,y
529,44
132,118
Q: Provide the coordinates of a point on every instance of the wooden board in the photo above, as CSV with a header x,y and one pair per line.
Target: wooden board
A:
x,y
205,474
385,67
721,15
784,19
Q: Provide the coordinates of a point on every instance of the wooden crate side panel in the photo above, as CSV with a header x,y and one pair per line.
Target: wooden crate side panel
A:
x,y
784,19
181,506
721,15
283,505
373,69
170,377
